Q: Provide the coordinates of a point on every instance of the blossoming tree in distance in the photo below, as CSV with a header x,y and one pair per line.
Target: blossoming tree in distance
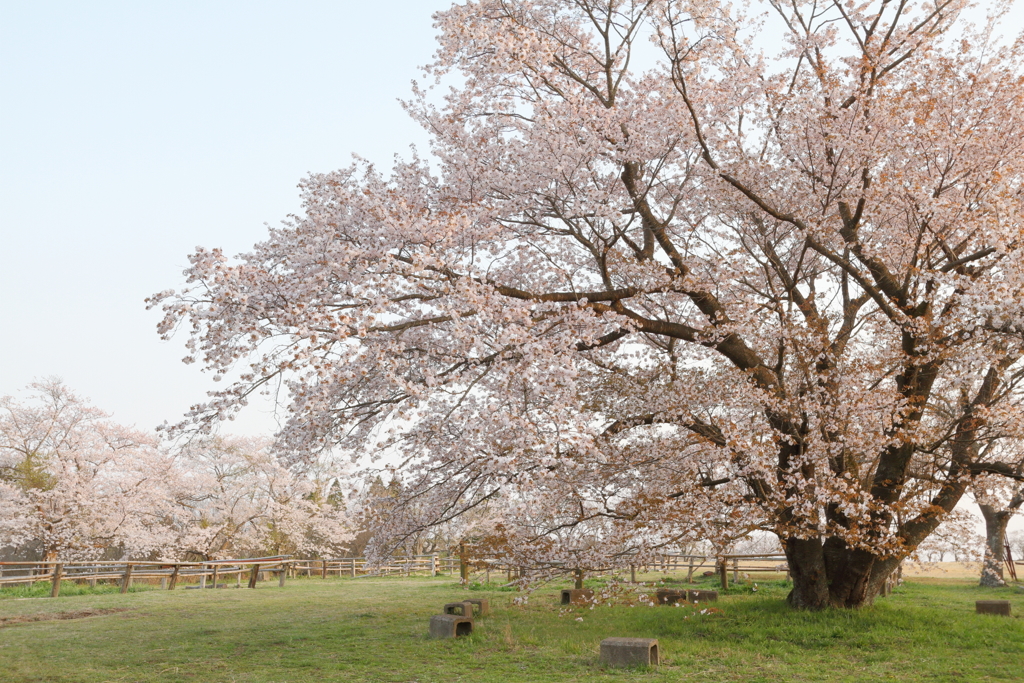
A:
x,y
665,277
75,484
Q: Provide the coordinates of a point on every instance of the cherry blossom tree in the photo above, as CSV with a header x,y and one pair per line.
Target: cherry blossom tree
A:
x,y
998,499
1015,539
76,483
724,289
955,537
234,498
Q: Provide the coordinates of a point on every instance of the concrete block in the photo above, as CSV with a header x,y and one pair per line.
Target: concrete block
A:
x,y
629,651
572,596
702,596
450,626
482,607
463,609
670,596
1000,607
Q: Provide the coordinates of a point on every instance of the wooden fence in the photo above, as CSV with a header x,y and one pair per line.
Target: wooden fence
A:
x,y
722,565
171,574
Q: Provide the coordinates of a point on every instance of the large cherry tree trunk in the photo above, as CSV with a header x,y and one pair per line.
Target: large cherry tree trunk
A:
x,y
995,532
828,574
996,520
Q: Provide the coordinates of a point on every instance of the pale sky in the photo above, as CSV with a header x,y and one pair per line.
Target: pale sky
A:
x,y
131,132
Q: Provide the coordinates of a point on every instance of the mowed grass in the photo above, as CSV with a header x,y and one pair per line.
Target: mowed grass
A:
x,y
376,630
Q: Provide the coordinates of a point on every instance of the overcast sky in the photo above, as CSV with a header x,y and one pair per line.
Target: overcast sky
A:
x,y
131,132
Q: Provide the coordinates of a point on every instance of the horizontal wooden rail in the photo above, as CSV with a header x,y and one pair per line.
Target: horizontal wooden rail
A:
x,y
171,573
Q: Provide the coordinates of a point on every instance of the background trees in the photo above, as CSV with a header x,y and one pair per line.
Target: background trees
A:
x,y
732,291
76,485
235,499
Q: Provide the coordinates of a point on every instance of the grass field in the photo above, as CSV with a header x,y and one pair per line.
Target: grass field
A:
x,y
375,630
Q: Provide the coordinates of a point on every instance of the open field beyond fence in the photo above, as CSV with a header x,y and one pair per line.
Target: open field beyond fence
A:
x,y
375,629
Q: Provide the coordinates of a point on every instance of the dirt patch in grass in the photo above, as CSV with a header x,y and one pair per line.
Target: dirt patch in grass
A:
x,y
54,616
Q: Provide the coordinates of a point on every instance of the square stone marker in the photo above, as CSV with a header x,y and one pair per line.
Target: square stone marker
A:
x,y
1000,607
464,608
629,651
670,596
572,596
450,626
702,596
483,608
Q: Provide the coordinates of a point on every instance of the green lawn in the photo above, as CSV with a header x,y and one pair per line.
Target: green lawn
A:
x,y
375,630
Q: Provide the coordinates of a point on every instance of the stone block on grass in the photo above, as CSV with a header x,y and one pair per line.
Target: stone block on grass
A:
x,y
670,596
702,596
481,607
463,609
450,626
573,596
629,651
1000,607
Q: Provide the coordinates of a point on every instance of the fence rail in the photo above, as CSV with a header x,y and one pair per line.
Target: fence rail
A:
x,y
171,574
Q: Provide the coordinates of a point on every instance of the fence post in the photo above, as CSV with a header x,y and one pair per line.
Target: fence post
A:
x,y
433,565
689,571
58,571
735,571
202,575
282,574
255,574
632,573
323,569
578,573
174,576
723,572
353,567
127,579
216,575
463,564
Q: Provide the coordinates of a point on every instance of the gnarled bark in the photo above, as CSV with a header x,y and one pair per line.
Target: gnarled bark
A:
x,y
995,533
